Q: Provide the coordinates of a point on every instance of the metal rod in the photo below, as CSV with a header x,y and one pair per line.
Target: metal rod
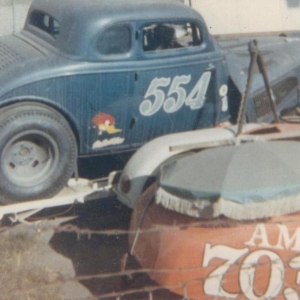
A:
x,y
271,95
253,59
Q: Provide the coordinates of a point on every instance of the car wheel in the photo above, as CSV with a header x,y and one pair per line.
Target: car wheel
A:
x,y
38,153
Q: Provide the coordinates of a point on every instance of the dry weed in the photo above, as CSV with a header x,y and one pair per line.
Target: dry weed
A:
x,y
20,280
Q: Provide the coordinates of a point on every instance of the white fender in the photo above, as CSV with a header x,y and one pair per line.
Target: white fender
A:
x,y
149,157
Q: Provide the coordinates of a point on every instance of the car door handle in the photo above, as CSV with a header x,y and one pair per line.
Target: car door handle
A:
x,y
210,67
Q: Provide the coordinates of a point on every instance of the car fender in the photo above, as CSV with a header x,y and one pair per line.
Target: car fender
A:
x,y
50,104
148,158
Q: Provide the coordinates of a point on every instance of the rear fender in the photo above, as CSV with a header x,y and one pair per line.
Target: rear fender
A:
x,y
45,103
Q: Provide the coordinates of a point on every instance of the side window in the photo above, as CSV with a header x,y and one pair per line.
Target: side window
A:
x,y
44,22
115,40
166,36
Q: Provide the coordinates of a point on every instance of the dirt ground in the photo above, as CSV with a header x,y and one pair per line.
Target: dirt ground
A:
x,y
33,269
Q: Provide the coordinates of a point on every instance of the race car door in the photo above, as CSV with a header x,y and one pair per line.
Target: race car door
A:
x,y
175,80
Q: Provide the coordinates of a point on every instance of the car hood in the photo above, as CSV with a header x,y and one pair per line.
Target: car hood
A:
x,y
15,51
281,58
18,58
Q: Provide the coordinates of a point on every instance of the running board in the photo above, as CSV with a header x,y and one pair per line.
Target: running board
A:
x,y
77,191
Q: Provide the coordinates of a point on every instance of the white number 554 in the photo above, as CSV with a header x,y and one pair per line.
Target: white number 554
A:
x,y
176,95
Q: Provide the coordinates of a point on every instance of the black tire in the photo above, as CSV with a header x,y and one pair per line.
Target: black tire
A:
x,y
38,153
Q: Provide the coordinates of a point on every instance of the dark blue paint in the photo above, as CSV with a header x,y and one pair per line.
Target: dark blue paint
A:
x,y
68,73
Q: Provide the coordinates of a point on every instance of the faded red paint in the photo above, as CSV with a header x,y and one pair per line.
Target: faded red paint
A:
x,y
220,258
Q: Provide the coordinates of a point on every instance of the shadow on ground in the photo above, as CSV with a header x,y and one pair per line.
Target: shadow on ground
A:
x,y
101,254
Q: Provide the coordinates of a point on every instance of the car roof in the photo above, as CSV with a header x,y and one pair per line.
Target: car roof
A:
x,y
79,20
115,9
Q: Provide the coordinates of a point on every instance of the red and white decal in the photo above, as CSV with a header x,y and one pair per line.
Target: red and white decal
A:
x,y
276,267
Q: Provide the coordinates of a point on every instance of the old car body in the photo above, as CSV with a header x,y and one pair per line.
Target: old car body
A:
x,y
219,258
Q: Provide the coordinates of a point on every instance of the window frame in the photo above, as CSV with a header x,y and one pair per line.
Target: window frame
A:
x,y
176,51
97,56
